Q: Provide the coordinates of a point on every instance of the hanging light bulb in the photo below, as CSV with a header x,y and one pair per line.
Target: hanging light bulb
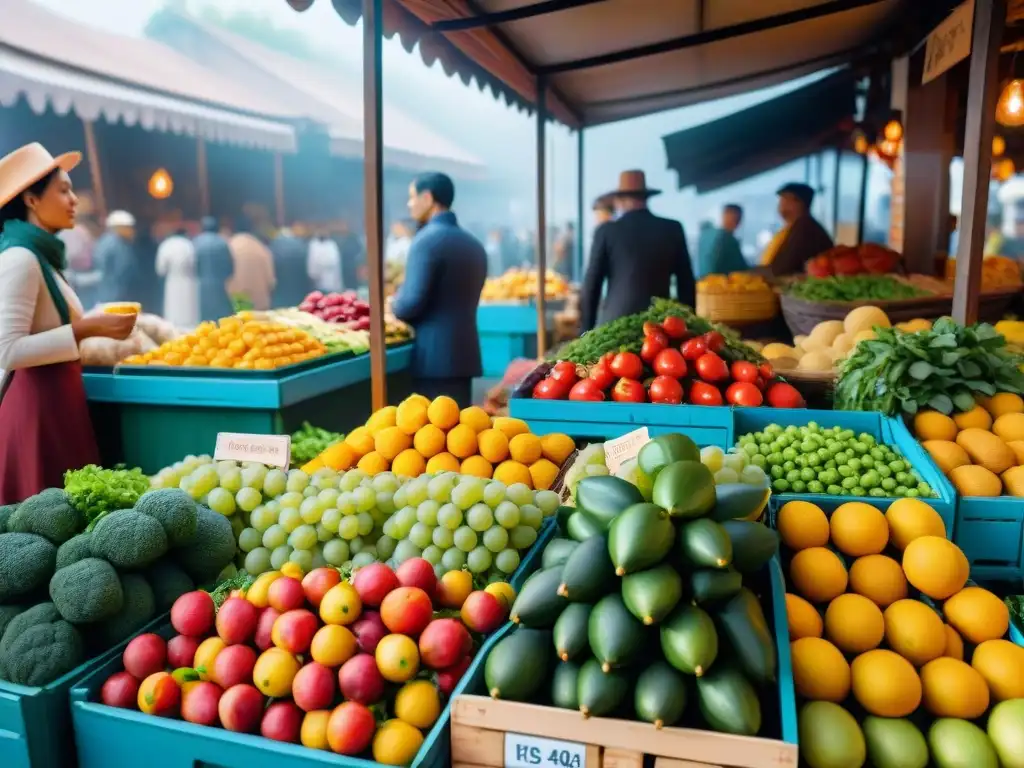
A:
x,y
1004,169
893,131
998,146
1010,107
161,185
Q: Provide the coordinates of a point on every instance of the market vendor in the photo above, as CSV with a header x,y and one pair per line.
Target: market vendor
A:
x,y
801,238
44,418
444,275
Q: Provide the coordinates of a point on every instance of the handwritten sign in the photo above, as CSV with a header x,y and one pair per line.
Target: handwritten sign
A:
x,y
274,450
522,751
621,449
950,42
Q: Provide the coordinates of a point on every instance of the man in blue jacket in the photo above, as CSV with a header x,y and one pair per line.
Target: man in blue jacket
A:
x,y
444,275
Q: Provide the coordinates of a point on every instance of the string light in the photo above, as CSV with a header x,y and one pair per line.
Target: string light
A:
x,y
1010,108
161,185
998,146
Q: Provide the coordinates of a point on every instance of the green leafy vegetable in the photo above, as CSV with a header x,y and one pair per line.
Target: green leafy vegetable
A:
x,y
1016,605
308,442
222,591
854,288
95,491
945,369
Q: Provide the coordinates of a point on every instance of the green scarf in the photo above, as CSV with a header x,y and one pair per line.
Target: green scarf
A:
x,y
49,252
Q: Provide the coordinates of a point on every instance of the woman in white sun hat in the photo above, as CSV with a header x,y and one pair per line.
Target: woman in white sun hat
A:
x,y
44,418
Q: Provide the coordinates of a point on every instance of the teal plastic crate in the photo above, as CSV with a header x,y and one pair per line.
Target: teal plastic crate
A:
x,y
35,721
1016,635
990,531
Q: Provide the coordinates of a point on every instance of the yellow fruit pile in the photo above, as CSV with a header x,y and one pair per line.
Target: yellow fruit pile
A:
x,y
423,436
734,282
522,284
862,630
232,342
981,451
997,272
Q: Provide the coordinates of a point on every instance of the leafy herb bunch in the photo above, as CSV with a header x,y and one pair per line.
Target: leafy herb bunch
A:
x,y
946,369
95,491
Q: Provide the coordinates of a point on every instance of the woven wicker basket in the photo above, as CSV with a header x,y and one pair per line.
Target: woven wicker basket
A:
x,y
737,308
817,388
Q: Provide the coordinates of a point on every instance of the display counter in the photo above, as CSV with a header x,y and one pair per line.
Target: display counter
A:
x,y
509,331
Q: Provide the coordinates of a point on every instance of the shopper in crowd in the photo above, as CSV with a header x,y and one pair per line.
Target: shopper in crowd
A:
x,y
253,278
801,238
116,259
396,251
79,244
45,428
293,283
323,263
176,264
719,251
444,276
637,255
214,268
604,210
353,260
564,250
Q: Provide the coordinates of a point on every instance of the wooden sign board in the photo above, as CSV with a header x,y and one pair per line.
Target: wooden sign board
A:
x,y
949,43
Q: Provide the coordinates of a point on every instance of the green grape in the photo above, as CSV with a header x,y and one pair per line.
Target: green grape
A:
x,y
507,515
426,512
262,518
370,549
440,571
494,493
319,561
443,537
346,504
440,488
479,517
225,466
364,499
249,539
479,560
465,538
303,537
275,536
465,495
405,519
257,561
386,547
255,477
280,556
530,515
221,502
522,537
384,501
421,535
390,528
453,559
204,480
311,510
356,545
432,555
237,525
328,497
363,559
519,493
310,492
495,539
506,561
323,533
289,519
449,516
385,481
297,480
330,520
405,550
231,480
548,502
290,500
336,551
348,528
365,523
325,479
302,558
401,497
417,490
247,499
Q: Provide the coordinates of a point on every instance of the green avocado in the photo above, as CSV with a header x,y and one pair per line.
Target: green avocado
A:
x,y
710,584
685,489
557,552
753,544
729,702
660,695
652,594
830,737
744,625
739,501
570,632
894,743
705,544
615,635
604,497
639,538
689,640
564,684
598,692
582,526
516,668
588,574
538,603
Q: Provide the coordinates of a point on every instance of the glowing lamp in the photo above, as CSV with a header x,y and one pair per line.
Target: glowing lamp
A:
x,y
1010,107
1004,169
893,131
860,144
161,185
998,146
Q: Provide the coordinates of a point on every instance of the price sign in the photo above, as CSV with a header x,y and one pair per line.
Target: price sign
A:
x,y
620,450
522,751
274,450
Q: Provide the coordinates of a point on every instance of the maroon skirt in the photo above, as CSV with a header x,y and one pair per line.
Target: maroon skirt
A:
x,y
45,430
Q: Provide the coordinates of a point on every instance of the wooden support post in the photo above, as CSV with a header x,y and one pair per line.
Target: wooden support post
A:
x,y
982,94
835,191
862,205
203,175
279,209
542,220
373,185
580,207
92,156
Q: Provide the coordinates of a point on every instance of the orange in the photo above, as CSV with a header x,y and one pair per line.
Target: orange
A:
x,y
418,704
429,441
477,466
443,412
333,645
396,743
476,417
274,671
398,658
442,462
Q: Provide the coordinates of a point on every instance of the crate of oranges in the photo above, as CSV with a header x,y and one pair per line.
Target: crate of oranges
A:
x,y
236,343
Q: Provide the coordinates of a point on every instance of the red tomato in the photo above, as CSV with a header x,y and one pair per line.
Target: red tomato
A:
x,y
712,368
601,375
783,395
666,389
652,329
650,350
629,391
674,326
586,390
744,371
704,394
715,341
766,371
564,372
670,362
693,349
760,384
549,389
626,365
744,393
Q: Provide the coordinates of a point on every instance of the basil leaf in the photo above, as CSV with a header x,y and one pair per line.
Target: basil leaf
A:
x,y
920,370
941,403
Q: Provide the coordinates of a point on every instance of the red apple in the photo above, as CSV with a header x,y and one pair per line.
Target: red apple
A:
x,y
316,583
374,581
360,680
236,620
313,687
282,722
448,678
264,627
483,612
241,708
369,629
444,642
193,614
145,655
286,594
350,728
293,631
200,702
417,572
233,665
120,690
181,651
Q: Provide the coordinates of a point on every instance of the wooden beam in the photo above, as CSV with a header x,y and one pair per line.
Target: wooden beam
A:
x,y
92,157
279,207
580,206
862,205
203,176
542,218
373,186
531,11
982,94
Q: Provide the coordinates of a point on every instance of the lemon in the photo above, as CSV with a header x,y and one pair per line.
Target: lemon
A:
x,y
557,447
360,440
525,448
477,466
385,417
543,474
493,445
510,427
411,416
510,472
504,591
429,441
373,463
396,743
442,462
338,457
443,412
462,441
409,463
418,704
391,441
476,417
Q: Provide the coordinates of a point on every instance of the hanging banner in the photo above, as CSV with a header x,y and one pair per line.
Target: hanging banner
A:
x,y
949,43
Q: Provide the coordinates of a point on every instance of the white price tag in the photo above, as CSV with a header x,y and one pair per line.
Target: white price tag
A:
x,y
274,450
621,449
522,751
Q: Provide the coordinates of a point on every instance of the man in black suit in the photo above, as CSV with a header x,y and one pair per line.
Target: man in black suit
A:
x,y
637,254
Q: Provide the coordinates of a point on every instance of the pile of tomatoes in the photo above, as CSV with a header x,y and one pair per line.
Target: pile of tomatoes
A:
x,y
673,367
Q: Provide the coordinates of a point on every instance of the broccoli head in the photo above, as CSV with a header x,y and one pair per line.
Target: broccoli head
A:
x,y
26,564
169,582
139,608
5,514
129,539
48,514
39,647
87,591
214,547
7,613
176,512
73,550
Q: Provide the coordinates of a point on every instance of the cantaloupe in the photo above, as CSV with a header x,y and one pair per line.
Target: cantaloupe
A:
x,y
977,614
914,631
986,450
858,529
885,683
936,566
864,319
1001,663
1009,426
854,624
910,519
976,418
802,617
820,672
952,688
947,454
878,578
970,480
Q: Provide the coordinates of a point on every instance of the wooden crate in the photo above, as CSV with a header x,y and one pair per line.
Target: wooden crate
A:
x,y
483,730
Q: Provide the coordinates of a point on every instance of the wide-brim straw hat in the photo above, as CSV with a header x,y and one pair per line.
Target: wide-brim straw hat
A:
x,y
28,164
633,184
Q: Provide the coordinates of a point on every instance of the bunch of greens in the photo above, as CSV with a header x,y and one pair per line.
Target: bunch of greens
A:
x,y
308,442
1016,605
945,369
854,288
241,580
626,335
95,491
